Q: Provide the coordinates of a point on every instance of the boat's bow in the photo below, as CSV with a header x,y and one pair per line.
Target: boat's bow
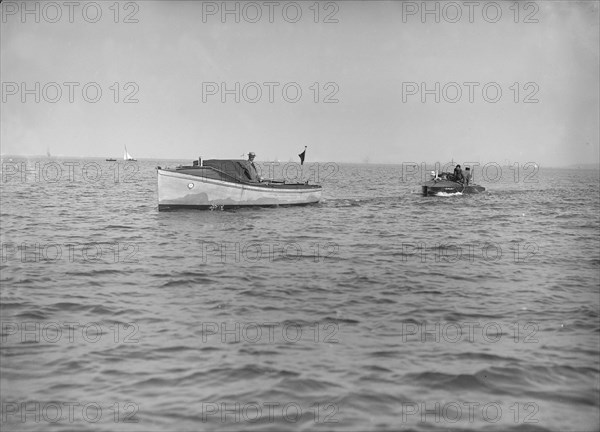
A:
x,y
435,187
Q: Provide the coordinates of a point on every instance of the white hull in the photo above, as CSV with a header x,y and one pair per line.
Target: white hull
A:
x,y
184,190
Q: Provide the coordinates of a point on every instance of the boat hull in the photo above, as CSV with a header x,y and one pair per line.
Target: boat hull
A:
x,y
432,188
183,190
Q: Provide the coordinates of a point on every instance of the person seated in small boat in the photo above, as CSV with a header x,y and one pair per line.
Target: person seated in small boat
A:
x,y
467,176
254,176
458,174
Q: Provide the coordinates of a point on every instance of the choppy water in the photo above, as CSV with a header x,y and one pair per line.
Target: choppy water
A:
x,y
354,314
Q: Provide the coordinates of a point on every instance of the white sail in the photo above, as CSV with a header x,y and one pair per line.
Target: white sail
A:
x,y
126,155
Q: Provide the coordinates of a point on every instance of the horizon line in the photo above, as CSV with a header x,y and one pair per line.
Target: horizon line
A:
x,y
427,163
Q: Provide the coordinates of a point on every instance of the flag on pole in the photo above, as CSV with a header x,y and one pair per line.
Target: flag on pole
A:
x,y
302,156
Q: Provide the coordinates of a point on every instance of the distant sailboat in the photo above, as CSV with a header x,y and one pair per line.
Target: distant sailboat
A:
x,y
127,156
48,152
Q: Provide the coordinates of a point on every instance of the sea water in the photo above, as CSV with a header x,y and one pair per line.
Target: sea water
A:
x,y
376,309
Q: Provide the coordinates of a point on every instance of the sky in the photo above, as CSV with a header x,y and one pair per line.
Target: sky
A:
x,y
379,82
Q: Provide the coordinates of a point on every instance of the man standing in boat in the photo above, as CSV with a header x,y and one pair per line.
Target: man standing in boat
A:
x,y
467,176
253,171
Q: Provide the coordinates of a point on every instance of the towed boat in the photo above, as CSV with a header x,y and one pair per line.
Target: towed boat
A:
x,y
226,183
446,185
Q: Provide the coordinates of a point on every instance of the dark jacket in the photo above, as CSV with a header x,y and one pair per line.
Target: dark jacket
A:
x,y
458,175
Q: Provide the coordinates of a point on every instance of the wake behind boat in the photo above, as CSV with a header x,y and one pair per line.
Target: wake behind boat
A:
x,y
227,183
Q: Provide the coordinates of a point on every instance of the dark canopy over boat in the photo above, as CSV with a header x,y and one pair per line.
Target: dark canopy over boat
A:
x,y
238,170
